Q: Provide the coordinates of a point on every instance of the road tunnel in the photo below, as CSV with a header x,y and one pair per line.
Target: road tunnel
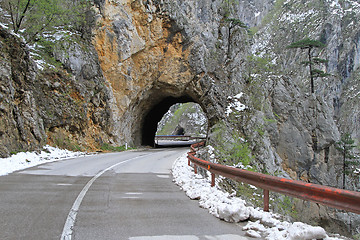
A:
x,y
155,114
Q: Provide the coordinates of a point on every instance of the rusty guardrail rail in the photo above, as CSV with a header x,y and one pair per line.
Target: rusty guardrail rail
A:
x,y
332,197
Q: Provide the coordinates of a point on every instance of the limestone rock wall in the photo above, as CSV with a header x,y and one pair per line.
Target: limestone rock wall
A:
x,y
20,125
145,55
183,119
69,106
149,50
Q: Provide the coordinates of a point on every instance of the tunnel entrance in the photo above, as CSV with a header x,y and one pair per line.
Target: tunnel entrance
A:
x,y
153,117
179,131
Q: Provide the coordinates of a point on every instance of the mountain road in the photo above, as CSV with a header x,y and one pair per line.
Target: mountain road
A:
x,y
126,195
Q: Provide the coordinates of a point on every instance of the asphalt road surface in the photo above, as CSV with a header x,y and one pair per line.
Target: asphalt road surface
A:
x,y
128,195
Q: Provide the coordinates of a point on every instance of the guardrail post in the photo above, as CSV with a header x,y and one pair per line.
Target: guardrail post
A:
x,y
266,200
212,179
329,196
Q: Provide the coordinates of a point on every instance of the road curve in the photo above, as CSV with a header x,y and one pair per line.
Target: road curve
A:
x,y
128,195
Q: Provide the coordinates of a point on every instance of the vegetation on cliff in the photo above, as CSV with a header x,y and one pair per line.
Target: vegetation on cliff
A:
x,y
144,52
309,45
34,18
62,99
183,119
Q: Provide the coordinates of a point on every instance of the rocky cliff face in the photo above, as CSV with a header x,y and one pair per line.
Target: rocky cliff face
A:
x,y
150,50
183,119
69,106
147,55
20,125
143,55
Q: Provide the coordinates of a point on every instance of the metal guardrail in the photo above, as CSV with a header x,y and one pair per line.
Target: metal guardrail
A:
x,y
177,138
332,197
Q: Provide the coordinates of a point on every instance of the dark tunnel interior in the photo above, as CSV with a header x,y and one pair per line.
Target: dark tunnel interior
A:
x,y
179,131
152,118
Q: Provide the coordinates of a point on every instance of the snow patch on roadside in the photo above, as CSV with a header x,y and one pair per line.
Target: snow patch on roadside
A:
x,y
25,160
234,209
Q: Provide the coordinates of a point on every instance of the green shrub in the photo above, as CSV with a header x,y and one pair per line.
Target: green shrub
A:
x,y
285,205
109,148
61,140
233,151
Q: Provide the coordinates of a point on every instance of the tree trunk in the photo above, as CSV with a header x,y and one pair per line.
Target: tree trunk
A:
x,y
18,24
311,74
229,40
344,168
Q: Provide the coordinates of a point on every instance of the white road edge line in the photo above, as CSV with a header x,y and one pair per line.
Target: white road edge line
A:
x,y
70,220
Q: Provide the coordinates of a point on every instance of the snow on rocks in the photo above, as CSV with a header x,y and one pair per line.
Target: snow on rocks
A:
x,y
351,6
25,160
233,209
235,104
211,153
297,17
2,25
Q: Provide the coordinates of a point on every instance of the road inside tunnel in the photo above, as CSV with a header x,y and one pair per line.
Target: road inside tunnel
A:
x,y
153,117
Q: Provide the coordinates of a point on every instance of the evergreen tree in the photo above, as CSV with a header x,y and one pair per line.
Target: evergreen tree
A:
x,y
309,44
346,146
232,23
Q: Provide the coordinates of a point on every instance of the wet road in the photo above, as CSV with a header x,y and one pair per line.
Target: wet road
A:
x,y
128,195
